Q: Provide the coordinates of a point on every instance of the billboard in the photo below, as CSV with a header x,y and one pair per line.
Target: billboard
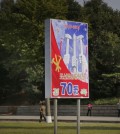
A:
x,y
66,59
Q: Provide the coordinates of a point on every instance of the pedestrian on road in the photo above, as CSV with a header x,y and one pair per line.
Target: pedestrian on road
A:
x,y
42,111
118,108
89,109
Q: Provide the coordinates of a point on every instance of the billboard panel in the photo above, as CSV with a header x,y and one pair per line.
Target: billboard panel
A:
x,y
66,59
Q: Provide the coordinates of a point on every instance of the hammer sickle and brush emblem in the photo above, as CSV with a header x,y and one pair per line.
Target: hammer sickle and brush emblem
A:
x,y
56,62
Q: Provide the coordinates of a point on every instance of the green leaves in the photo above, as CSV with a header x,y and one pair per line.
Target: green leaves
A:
x,y
22,43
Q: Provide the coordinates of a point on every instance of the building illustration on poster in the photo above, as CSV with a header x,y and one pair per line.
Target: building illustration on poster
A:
x,y
68,76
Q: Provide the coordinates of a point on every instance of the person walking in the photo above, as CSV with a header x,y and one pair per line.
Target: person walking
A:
x,y
118,108
89,109
42,111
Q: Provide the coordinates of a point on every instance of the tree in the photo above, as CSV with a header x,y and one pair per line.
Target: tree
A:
x,y
74,10
103,46
23,41
108,48
22,44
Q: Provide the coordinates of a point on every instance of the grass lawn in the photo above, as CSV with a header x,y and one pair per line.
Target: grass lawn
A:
x,y
63,128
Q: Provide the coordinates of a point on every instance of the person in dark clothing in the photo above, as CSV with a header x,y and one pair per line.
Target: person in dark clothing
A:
x,y
89,109
42,111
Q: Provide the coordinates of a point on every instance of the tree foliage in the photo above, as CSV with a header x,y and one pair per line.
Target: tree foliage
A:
x,y
22,44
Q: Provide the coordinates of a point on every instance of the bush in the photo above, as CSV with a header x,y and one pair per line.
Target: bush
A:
x,y
107,101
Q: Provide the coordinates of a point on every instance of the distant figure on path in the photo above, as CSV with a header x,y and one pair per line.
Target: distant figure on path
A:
x,y
118,108
42,111
89,109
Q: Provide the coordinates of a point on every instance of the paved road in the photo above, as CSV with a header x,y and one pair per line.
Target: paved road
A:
x,y
63,118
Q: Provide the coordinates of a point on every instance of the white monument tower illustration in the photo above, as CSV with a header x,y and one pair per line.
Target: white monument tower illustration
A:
x,y
67,55
74,59
82,58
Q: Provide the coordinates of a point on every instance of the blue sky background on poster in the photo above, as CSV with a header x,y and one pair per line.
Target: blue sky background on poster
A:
x,y
60,32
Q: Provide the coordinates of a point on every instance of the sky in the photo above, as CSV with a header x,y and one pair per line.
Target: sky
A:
x,y
115,4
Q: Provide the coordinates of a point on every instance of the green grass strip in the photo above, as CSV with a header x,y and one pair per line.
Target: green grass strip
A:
x,y
63,128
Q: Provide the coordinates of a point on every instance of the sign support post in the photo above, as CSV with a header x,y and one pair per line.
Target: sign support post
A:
x,y
48,113
55,116
78,116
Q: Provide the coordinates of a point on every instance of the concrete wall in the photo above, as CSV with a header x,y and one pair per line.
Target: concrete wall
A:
x,y
63,110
